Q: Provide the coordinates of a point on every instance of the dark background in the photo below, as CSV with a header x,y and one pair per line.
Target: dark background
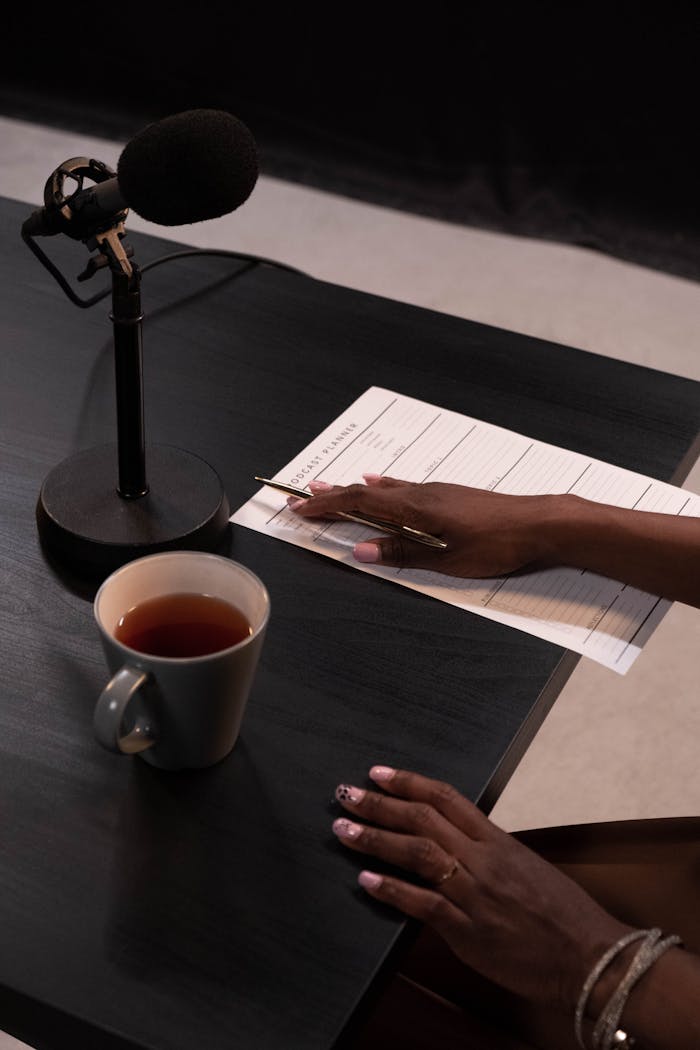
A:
x,y
549,120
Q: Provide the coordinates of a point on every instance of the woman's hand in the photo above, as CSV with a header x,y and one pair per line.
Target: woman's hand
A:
x,y
492,533
487,533
500,907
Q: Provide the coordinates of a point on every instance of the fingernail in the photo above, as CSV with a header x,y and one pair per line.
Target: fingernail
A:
x,y
293,503
369,880
369,478
382,773
320,486
345,829
366,552
349,793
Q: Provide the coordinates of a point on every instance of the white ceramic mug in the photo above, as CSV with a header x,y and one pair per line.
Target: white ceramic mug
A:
x,y
177,712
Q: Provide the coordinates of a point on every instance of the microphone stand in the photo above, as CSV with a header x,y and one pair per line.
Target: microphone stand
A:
x,y
126,318
88,524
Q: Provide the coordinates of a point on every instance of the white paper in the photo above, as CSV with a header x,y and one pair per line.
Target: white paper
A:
x,y
384,432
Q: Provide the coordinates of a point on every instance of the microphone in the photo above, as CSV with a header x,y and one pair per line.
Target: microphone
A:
x,y
186,168
192,166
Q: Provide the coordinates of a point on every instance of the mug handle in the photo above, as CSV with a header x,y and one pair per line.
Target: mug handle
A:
x,y
111,708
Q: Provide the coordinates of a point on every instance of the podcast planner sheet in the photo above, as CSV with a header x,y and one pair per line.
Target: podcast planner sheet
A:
x,y
384,432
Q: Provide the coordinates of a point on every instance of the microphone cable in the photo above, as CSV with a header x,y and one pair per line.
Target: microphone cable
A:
x,y
252,260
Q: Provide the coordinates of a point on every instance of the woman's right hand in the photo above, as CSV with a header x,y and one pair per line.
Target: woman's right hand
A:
x,y
487,533
492,533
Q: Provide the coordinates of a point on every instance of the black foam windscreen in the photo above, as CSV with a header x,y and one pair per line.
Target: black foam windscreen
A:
x,y
188,167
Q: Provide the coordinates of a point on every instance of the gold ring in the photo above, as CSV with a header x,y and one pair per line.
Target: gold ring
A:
x,y
448,874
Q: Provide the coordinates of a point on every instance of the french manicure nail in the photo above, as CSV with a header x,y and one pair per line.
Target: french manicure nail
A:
x,y
366,552
319,486
369,880
349,793
345,829
382,773
369,478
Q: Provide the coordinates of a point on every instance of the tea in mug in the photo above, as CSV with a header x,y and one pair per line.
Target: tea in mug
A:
x,y
182,626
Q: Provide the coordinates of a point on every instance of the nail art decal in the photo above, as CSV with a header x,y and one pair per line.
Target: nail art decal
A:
x,y
345,829
349,793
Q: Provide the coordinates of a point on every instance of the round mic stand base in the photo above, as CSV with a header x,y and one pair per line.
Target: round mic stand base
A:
x,y
88,528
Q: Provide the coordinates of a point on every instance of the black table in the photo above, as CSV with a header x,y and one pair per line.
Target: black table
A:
x,y
215,909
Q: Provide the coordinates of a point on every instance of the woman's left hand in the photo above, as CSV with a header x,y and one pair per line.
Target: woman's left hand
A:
x,y
501,908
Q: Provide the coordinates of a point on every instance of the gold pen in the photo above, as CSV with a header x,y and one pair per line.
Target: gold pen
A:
x,y
375,523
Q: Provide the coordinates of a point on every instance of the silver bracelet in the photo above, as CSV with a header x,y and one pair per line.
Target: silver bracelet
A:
x,y
596,972
606,1028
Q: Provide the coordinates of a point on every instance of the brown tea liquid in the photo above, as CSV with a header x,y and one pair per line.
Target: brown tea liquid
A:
x,y
182,625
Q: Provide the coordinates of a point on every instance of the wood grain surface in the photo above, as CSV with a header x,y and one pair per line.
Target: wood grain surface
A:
x,y
215,909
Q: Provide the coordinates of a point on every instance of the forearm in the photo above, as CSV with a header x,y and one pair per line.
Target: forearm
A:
x,y
659,553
